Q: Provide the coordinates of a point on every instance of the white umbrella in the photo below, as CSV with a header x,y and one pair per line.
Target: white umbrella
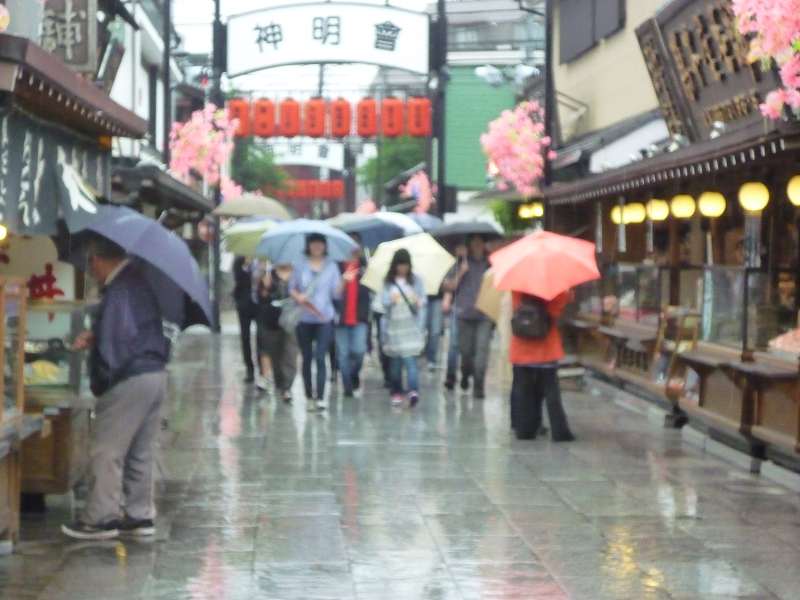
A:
x,y
429,260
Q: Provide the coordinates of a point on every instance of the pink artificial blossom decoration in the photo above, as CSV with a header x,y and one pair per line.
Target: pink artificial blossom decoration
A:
x,y
366,208
773,28
516,145
202,144
229,188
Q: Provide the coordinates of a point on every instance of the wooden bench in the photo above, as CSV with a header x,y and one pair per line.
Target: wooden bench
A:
x,y
773,385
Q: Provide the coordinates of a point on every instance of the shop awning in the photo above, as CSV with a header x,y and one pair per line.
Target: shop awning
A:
x,y
46,87
732,152
151,185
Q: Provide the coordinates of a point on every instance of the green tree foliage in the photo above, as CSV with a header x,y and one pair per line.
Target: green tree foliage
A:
x,y
395,156
253,167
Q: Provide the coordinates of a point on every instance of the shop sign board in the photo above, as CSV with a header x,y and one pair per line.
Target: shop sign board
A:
x,y
34,194
698,65
324,156
328,32
69,31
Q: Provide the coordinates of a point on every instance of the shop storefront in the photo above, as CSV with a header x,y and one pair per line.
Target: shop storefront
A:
x,y
699,246
55,148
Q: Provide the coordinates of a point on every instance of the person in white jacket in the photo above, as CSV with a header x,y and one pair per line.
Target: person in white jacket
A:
x,y
403,329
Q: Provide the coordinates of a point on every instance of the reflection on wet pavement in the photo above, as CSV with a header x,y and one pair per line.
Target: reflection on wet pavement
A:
x,y
263,500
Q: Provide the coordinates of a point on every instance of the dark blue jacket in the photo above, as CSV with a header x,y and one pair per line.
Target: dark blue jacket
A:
x,y
128,332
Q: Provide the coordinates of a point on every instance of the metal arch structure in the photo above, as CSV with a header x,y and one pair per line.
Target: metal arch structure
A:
x,y
325,32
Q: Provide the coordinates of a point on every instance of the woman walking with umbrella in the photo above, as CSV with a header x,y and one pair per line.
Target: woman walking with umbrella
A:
x,y
403,330
315,284
279,347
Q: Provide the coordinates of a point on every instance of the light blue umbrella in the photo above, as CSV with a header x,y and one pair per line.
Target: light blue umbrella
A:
x,y
286,242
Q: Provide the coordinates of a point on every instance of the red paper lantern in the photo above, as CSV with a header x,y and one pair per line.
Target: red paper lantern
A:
x,y
419,117
264,118
325,190
314,118
392,113
238,108
341,118
367,118
289,123
337,189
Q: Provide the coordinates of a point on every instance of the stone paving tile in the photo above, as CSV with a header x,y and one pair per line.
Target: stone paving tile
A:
x,y
366,502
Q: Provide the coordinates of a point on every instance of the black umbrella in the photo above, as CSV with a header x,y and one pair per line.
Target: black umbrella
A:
x,y
463,229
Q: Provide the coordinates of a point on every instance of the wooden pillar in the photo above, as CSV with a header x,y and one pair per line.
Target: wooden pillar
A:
x,y
674,261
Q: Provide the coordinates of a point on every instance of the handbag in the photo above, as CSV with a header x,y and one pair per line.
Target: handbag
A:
x,y
292,311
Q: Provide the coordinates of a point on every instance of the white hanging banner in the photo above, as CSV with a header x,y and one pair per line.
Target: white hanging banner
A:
x,y
328,32
326,155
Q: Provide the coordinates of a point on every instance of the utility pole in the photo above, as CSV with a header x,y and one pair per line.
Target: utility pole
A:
x,y
218,99
166,59
440,47
549,87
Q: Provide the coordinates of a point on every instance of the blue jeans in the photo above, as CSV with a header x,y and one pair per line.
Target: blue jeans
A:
x,y
453,346
351,345
315,341
412,377
434,326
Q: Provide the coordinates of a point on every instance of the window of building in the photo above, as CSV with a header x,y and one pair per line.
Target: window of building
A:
x,y
583,23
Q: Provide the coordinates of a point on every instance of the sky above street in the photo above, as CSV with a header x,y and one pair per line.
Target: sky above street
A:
x,y
193,20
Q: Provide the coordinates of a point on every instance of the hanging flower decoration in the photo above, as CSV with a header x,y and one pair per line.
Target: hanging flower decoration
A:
x,y
773,28
419,187
515,146
367,207
203,145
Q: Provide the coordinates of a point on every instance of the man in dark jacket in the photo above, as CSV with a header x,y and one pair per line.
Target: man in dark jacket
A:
x,y
127,361
246,309
351,327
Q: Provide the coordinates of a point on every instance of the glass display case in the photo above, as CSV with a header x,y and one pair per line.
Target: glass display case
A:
x,y
588,300
722,307
50,364
635,292
13,307
772,323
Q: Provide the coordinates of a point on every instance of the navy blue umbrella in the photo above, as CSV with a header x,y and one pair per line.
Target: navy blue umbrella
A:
x,y
169,266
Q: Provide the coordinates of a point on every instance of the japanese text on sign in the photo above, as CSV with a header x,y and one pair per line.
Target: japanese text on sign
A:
x,y
326,32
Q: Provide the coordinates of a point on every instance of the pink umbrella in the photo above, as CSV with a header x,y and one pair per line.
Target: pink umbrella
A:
x,y
544,264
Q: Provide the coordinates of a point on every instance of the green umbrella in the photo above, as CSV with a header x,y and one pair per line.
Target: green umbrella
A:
x,y
242,238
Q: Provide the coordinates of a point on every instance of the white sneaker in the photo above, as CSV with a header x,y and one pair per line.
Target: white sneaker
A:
x,y
261,383
322,404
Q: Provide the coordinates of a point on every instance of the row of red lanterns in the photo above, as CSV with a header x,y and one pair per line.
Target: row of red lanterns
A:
x,y
310,189
318,117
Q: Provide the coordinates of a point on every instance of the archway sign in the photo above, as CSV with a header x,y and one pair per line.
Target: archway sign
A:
x,y
328,32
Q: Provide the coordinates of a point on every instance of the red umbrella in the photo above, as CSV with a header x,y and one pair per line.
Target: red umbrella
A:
x,y
544,264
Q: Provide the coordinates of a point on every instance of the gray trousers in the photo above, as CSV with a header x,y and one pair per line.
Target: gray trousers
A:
x,y
474,340
121,460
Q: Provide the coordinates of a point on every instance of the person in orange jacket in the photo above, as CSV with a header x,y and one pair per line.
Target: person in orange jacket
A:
x,y
535,364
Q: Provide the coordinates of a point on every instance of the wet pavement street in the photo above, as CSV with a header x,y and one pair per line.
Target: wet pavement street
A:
x,y
264,500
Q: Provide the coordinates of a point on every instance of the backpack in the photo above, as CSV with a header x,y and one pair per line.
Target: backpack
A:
x,y
531,320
